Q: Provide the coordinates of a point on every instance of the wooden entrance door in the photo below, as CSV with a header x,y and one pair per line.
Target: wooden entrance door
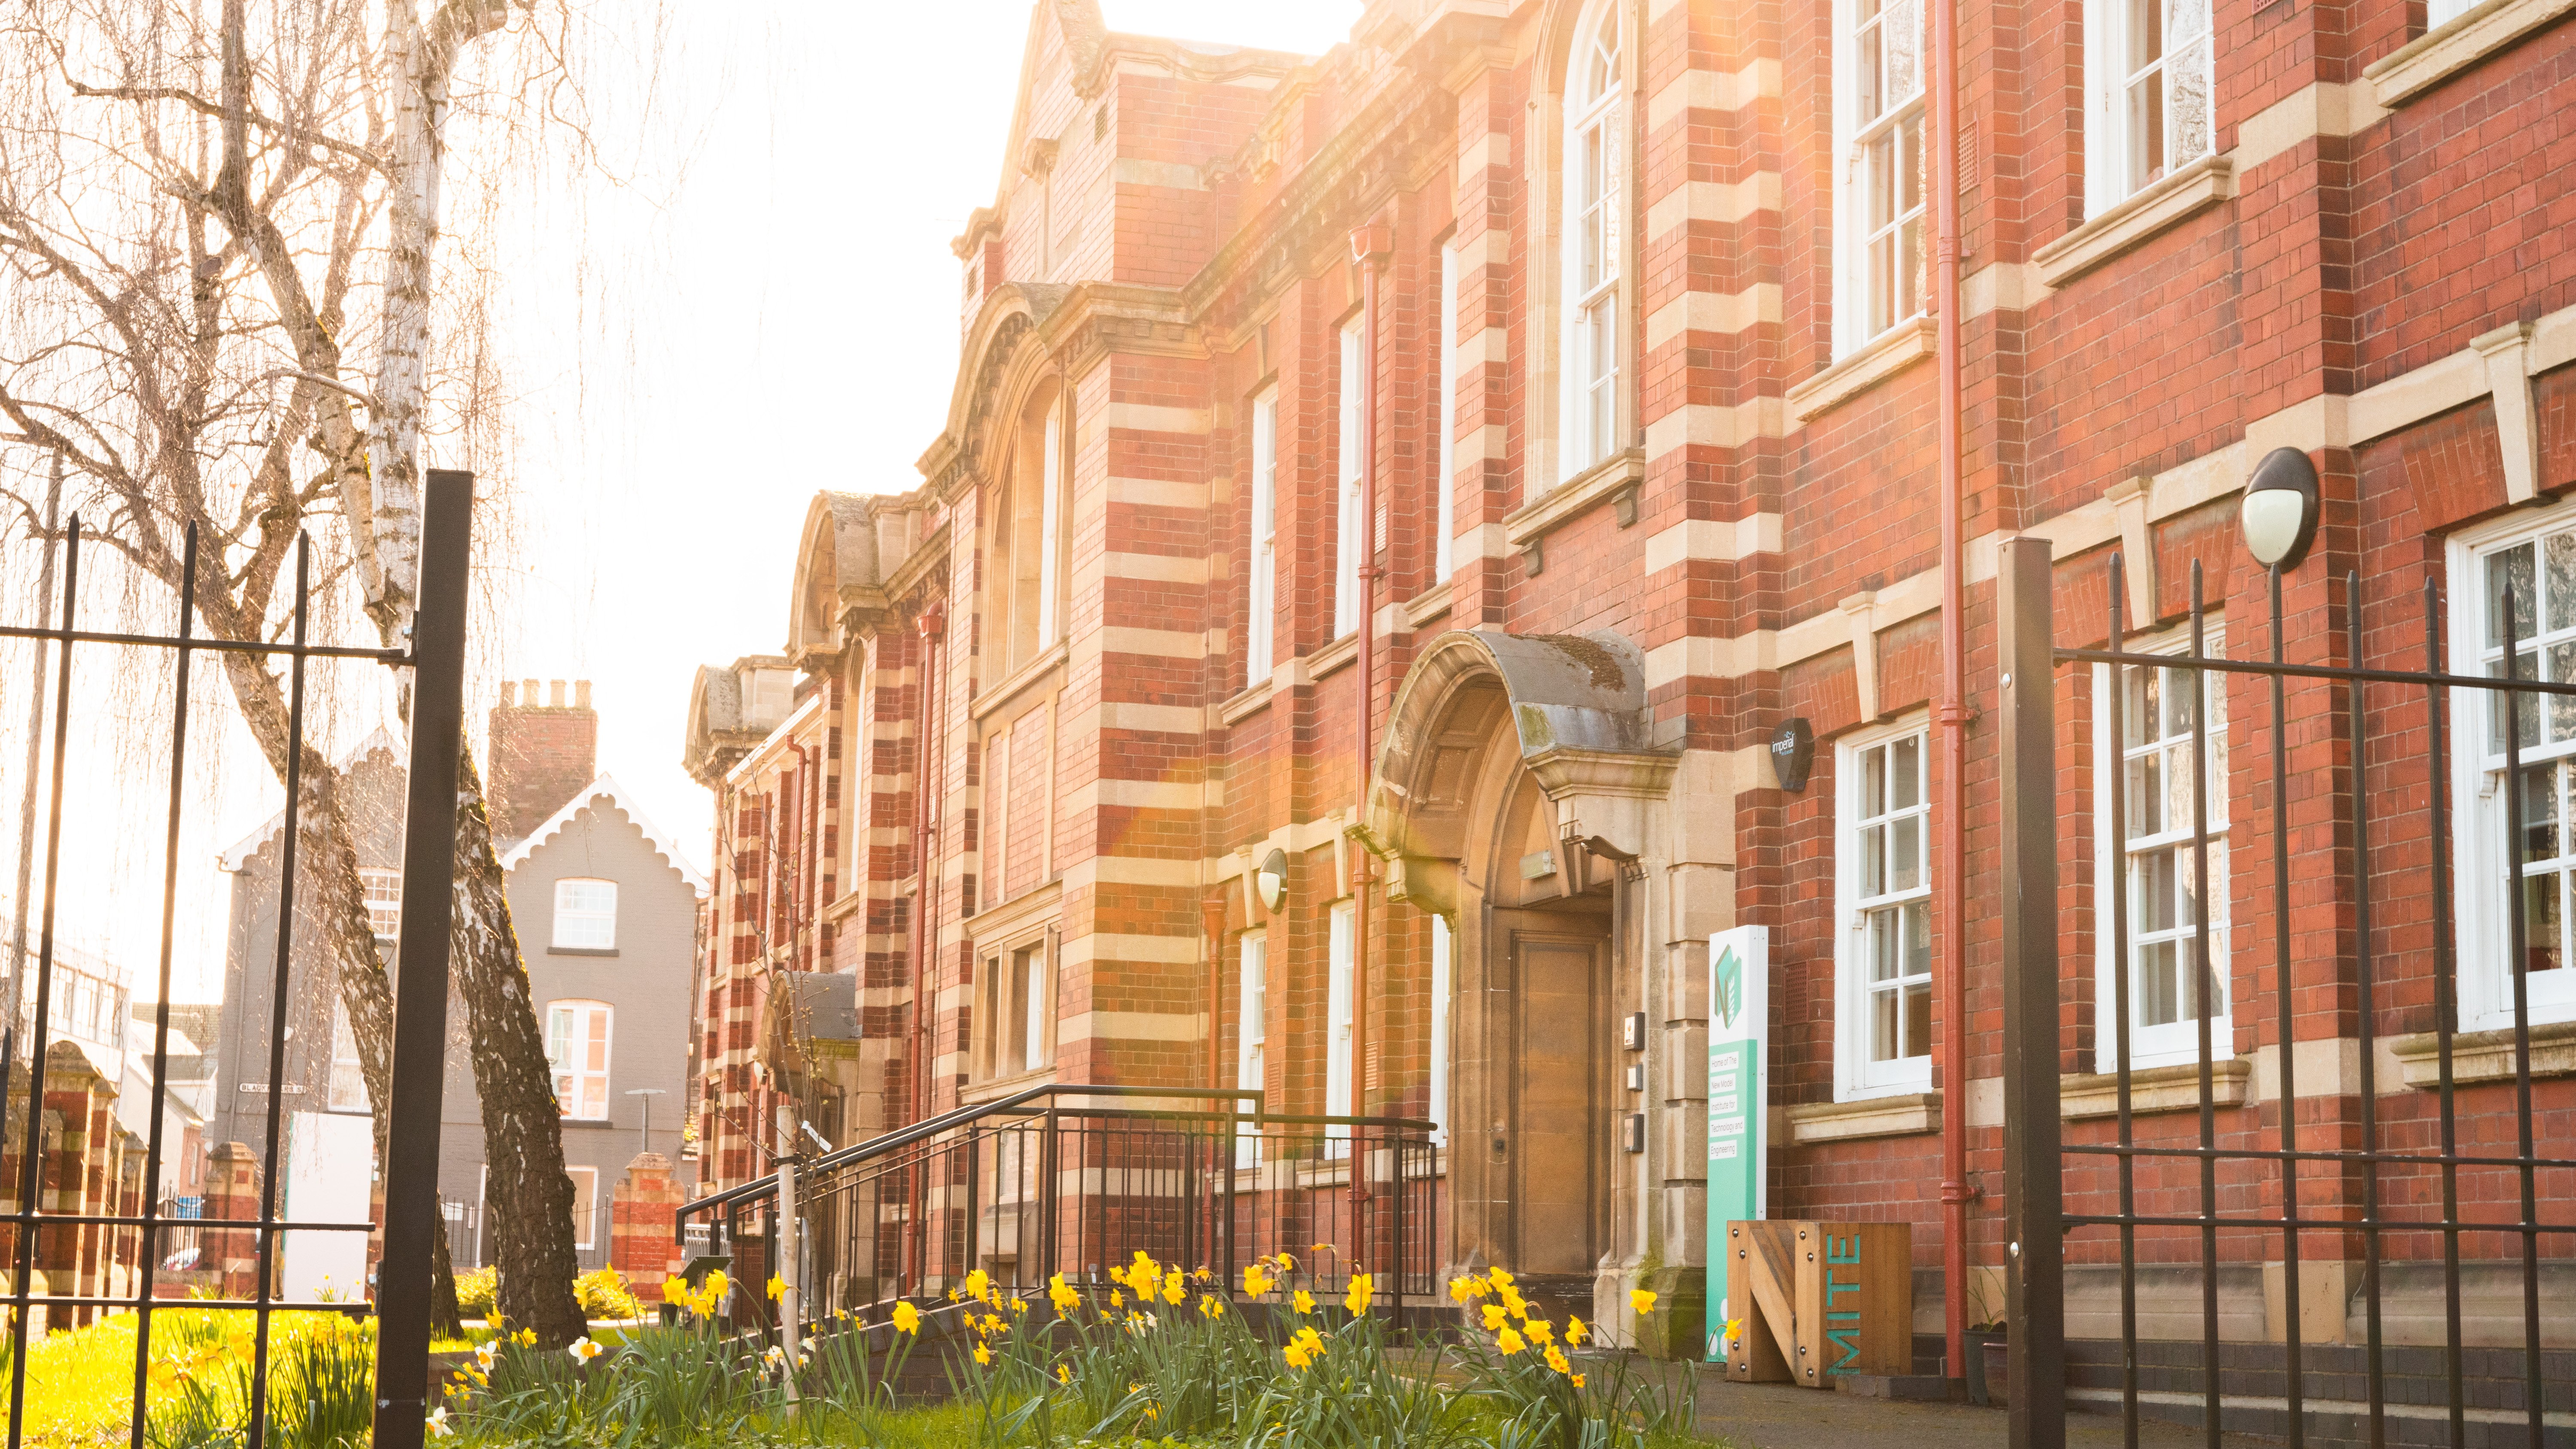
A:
x,y
1560,1147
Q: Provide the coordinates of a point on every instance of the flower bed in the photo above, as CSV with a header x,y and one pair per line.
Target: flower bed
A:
x,y
1164,1356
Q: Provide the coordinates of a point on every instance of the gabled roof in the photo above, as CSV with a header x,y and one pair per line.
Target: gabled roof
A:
x,y
381,738
605,788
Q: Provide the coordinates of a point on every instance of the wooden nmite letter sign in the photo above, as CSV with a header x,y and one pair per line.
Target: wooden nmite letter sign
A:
x,y
1825,1300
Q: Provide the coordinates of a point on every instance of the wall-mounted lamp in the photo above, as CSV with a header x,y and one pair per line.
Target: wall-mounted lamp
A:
x,y
2279,514
1270,881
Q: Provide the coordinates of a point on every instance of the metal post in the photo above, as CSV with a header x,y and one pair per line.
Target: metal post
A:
x,y
420,961
790,1280
2033,1190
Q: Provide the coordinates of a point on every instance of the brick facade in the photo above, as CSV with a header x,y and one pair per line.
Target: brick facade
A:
x,y
543,753
1569,730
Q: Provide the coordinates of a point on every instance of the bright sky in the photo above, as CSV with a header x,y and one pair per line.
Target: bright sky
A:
x,y
763,309
796,330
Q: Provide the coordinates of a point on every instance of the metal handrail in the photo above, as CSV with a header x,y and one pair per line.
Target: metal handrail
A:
x,y
929,1127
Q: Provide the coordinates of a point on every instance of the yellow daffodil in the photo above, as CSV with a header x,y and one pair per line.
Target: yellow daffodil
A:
x,y
525,1338
1117,1299
1575,1331
1538,1331
1502,1277
1575,1379
1256,1282
1019,1305
583,1350
1062,1296
1305,1301
1641,1300
1176,1288
978,1284
983,1355
842,1314
1726,1335
907,1319
1210,1305
1514,1303
777,1286
1200,1274
1465,1290
1557,1361
1063,1374
1510,1343
1287,1264
1363,1288
675,1290
1495,1318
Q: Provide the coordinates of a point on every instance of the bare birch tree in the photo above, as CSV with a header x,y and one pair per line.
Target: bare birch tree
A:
x,y
219,241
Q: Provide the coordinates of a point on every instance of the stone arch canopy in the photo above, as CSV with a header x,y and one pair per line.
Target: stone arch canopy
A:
x,y
836,570
1577,707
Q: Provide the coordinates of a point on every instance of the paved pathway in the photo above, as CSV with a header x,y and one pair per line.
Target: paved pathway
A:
x,y
1779,1416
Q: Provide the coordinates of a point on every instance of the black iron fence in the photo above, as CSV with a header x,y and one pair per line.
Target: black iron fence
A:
x,y
2334,910
1076,1180
113,1249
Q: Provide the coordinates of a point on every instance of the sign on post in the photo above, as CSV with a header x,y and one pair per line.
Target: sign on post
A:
x,y
1821,1301
1739,1092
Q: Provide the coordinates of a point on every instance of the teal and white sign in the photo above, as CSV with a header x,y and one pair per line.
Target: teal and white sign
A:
x,y
1739,1089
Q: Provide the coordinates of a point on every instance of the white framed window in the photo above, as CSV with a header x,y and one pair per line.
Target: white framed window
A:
x,y
577,1043
1337,1026
1878,136
1018,1009
348,1076
585,914
2539,564
1883,877
585,1206
1444,527
2149,68
994,879
1595,160
1251,1032
1443,944
2150,764
383,891
1346,530
1262,560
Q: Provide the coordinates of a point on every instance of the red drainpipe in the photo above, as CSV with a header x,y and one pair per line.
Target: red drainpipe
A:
x,y
933,625
1955,1194
1212,921
1370,245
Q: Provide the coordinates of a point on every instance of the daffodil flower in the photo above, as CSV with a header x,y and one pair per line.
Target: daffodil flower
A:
x,y
1575,1331
583,1350
1495,1318
438,1425
1641,1300
907,1319
1363,1288
777,1286
983,1355
1305,1301
1510,1343
1063,1375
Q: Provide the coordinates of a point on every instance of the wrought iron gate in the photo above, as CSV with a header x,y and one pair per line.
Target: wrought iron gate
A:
x,y
436,661
2181,1197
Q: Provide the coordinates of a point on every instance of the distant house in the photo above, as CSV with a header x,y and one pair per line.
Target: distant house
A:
x,y
606,912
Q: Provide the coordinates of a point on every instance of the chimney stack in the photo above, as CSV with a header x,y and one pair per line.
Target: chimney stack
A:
x,y
542,755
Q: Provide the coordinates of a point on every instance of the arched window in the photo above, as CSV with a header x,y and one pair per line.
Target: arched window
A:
x,y
1024,544
1595,161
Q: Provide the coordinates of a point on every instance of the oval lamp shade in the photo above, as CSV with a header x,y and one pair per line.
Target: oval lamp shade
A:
x,y
2279,514
1270,881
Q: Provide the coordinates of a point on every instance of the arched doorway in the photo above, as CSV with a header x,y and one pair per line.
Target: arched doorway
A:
x,y
1462,808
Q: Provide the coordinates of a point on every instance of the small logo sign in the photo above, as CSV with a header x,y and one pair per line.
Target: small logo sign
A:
x,y
1730,988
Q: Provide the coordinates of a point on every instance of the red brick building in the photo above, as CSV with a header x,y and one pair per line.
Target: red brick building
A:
x,y
1620,312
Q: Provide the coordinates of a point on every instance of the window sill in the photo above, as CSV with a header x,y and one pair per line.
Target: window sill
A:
x,y
996,924
995,1088
1905,1114
846,905
1575,496
1245,705
581,950
1430,604
2454,46
1884,356
1017,682
2136,221
2085,1095
2486,1056
1329,658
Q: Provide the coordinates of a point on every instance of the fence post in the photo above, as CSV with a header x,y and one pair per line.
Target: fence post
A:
x,y
420,957
2033,1194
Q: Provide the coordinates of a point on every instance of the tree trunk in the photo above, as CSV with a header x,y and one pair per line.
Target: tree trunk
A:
x,y
522,1124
